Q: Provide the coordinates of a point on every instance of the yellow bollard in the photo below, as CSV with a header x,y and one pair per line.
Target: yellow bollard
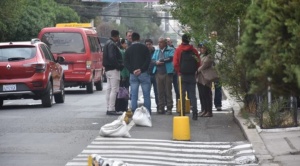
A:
x,y
181,128
90,160
187,105
181,124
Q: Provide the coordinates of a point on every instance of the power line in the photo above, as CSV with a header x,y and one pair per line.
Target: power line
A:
x,y
170,18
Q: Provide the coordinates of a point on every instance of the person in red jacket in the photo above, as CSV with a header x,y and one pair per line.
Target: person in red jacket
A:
x,y
188,79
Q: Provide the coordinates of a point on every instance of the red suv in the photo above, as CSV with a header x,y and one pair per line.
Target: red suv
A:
x,y
28,70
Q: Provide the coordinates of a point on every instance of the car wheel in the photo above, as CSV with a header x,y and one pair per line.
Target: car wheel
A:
x,y
89,87
47,98
60,97
99,85
1,102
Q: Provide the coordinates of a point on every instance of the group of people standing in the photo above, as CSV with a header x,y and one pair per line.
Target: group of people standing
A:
x,y
128,62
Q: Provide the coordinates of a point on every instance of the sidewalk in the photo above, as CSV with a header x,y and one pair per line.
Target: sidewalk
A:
x,y
273,147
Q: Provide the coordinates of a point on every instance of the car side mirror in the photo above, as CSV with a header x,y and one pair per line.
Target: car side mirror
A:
x,y
60,59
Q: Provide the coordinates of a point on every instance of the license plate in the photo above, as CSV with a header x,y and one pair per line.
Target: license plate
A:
x,y
65,67
10,87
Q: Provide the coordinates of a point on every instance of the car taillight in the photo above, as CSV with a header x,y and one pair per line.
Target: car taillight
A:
x,y
88,64
39,67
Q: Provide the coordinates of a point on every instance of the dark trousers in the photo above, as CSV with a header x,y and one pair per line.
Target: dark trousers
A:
x,y
164,89
188,84
153,83
205,97
175,85
218,94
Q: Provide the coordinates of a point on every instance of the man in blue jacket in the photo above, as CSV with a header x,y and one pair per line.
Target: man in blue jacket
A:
x,y
164,75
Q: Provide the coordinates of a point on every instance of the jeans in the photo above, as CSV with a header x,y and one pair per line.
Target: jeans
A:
x,y
135,81
218,94
113,82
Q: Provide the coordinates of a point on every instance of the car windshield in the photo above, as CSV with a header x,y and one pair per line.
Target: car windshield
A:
x,y
16,53
64,42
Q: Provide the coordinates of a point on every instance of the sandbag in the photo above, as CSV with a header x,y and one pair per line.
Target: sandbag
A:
x,y
117,128
142,117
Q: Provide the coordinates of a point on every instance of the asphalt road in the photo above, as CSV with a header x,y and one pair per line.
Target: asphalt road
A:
x,y
33,135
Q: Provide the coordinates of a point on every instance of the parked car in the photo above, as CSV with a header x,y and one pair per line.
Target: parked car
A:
x,y
30,71
103,40
82,52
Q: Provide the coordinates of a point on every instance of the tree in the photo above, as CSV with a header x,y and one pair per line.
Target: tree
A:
x,y
86,10
32,16
9,15
66,14
203,16
270,46
147,20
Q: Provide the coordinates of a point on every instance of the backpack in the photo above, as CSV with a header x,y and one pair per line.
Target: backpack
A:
x,y
188,62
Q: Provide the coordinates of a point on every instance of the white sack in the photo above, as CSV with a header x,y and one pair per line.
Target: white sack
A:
x,y
117,128
142,117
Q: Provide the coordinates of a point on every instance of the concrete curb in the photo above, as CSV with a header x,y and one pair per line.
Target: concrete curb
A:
x,y
252,135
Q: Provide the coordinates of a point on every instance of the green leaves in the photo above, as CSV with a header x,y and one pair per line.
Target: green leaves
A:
x,y
30,16
270,42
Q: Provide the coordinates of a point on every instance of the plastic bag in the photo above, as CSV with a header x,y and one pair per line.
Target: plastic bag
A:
x,y
117,128
100,161
142,117
123,93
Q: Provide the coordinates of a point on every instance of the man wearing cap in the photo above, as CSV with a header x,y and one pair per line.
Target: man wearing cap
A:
x,y
188,81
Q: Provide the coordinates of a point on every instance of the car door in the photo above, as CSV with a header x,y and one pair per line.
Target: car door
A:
x,y
96,57
52,66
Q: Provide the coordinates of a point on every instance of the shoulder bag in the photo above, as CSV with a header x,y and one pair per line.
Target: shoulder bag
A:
x,y
210,74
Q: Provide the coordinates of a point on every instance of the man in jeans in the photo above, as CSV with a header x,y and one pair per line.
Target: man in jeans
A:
x,y
137,61
112,61
217,84
188,81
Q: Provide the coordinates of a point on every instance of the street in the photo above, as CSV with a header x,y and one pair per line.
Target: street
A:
x,y
32,135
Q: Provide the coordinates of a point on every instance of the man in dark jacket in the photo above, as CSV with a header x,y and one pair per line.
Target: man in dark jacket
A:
x,y
113,63
137,61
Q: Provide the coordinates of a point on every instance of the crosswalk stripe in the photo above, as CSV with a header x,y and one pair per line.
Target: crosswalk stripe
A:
x,y
138,152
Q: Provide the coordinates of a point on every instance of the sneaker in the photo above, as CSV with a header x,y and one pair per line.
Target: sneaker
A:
x,y
208,114
169,112
195,116
113,113
219,108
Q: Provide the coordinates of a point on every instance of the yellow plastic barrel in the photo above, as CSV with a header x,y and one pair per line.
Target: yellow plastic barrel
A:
x,y
181,128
